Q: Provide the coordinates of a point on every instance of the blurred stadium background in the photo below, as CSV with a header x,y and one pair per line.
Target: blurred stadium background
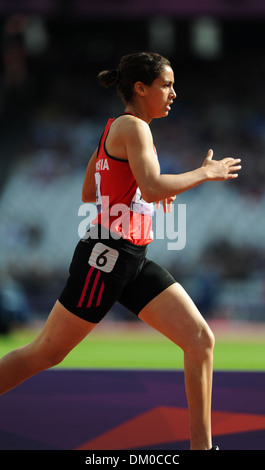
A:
x,y
52,112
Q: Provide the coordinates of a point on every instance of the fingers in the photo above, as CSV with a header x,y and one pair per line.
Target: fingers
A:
x,y
166,203
233,166
231,160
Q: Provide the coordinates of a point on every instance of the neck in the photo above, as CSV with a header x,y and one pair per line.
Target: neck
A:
x,y
137,111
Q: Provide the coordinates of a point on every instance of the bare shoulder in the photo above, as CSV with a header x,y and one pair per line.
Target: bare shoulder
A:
x,y
128,135
136,132
132,128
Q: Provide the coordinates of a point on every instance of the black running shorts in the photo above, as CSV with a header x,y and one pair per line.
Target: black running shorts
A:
x,y
106,270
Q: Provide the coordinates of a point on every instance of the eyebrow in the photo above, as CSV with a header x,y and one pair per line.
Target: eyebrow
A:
x,y
169,82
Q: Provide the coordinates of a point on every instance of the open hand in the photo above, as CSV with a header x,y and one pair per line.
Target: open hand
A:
x,y
221,170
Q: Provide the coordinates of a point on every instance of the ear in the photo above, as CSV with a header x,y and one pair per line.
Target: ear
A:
x,y
139,88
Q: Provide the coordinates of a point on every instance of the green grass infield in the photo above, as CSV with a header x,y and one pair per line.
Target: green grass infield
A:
x,y
134,348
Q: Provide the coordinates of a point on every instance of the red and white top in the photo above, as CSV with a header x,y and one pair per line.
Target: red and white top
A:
x,y
121,208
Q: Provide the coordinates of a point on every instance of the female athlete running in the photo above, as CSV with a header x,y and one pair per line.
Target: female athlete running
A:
x,y
110,264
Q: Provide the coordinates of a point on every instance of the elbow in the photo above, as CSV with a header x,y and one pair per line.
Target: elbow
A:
x,y
149,196
88,193
84,197
151,190
88,197
149,199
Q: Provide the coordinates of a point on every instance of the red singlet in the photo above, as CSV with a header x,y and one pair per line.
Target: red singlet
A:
x,y
121,208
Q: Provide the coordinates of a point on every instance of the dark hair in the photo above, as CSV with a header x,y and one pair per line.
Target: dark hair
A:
x,y
140,66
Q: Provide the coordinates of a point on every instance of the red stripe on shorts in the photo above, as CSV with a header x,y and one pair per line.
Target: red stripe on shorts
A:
x,y
85,287
100,294
93,289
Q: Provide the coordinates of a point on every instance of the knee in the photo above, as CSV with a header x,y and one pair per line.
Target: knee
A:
x,y
45,356
53,358
203,344
208,339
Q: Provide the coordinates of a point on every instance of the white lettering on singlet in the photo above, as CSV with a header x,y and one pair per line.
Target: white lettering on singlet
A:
x,y
102,164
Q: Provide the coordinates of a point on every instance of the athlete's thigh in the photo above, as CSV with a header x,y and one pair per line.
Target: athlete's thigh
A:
x,y
61,332
175,315
150,281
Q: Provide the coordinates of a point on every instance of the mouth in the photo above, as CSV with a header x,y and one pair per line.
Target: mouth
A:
x,y
169,105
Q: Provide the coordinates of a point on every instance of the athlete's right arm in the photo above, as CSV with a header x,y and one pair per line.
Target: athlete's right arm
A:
x,y
155,186
89,186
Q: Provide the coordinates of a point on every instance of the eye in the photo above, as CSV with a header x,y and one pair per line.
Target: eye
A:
x,y
168,85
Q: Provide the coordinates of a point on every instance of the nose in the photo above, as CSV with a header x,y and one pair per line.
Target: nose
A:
x,y
174,94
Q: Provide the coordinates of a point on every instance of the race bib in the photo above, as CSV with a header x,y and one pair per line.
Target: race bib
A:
x,y
103,257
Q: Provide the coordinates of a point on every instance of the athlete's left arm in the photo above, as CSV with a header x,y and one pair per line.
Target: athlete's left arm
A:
x,y
89,186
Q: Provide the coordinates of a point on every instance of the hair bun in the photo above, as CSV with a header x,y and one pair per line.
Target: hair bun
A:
x,y
107,78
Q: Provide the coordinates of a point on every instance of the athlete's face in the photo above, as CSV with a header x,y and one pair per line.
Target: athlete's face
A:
x,y
160,94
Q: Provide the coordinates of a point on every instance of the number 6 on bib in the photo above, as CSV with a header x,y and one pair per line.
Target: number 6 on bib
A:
x,y
103,257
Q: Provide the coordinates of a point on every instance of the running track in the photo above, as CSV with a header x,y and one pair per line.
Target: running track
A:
x,y
92,410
